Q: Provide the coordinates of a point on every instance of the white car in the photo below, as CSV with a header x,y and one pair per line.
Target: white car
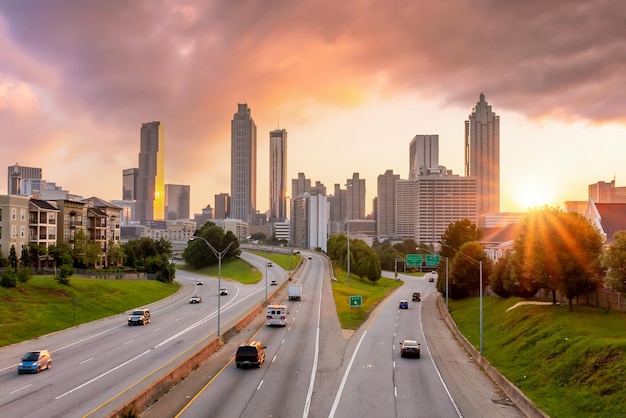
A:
x,y
199,283
223,291
195,299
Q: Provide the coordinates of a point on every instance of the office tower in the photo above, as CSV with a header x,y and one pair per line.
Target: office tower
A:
x,y
386,204
177,199
406,192
603,192
243,165
222,206
318,188
278,175
16,173
482,155
355,198
129,183
300,185
423,155
440,201
308,223
150,180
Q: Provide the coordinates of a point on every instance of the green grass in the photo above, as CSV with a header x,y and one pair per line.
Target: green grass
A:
x,y
372,295
42,306
286,261
570,364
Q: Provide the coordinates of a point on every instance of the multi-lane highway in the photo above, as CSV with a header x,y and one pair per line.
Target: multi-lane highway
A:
x,y
99,366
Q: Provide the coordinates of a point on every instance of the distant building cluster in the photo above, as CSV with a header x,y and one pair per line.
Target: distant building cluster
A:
x,y
36,211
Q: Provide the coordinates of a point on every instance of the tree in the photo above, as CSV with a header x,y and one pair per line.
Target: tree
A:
x,y
24,274
558,251
465,270
614,260
25,257
8,278
13,257
452,239
86,253
198,255
115,254
64,273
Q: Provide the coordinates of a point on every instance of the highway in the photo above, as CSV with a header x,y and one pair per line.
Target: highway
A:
x,y
97,367
282,386
378,382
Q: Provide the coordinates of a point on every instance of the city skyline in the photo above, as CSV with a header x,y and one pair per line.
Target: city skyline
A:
x,y
350,99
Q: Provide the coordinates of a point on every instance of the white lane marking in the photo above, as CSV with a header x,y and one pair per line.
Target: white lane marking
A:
x,y
274,359
432,360
345,377
102,375
309,394
260,384
283,341
85,361
128,342
395,391
18,389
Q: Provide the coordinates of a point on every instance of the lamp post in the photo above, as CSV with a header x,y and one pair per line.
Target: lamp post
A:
x,y
348,228
219,255
266,261
480,287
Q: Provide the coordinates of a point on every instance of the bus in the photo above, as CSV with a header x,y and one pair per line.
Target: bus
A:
x,y
276,315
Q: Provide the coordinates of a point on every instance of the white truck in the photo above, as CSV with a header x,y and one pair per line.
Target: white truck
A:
x,y
295,292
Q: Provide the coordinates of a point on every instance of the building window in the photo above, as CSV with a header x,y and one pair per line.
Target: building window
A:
x,y
13,231
13,214
23,214
66,233
66,219
22,231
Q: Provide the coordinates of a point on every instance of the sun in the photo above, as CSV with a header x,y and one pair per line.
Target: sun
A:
x,y
532,196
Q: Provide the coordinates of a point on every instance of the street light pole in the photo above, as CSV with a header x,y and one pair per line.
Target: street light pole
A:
x,y
219,255
266,277
480,287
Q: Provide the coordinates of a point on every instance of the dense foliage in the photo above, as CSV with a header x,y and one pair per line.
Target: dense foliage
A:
x,y
556,251
364,261
149,256
614,261
198,254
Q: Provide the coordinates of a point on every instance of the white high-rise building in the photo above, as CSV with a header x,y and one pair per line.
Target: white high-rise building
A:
x,y
243,165
482,155
423,155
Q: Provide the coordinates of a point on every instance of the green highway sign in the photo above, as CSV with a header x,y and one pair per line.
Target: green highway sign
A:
x,y
355,301
432,260
413,260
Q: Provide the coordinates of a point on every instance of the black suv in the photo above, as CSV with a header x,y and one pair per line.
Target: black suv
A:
x,y
252,354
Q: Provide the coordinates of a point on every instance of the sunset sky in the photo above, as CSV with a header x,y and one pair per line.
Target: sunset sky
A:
x,y
352,82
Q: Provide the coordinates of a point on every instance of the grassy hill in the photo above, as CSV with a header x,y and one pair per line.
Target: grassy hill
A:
x,y
42,306
570,364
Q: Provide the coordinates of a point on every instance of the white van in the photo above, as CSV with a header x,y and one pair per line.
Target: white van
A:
x,y
276,315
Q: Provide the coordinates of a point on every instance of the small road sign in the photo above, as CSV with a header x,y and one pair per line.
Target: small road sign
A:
x,y
355,301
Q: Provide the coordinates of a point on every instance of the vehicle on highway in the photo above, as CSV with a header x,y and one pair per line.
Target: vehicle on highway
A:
x,y
273,283
416,297
250,354
310,258
294,292
34,362
276,315
270,264
223,291
139,317
404,304
195,299
199,283
410,348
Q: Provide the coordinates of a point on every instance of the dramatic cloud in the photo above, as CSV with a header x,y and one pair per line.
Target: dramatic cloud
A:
x,y
87,74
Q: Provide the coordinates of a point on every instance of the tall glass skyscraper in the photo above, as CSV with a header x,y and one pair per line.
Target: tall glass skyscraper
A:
x,y
150,204
482,155
243,165
278,175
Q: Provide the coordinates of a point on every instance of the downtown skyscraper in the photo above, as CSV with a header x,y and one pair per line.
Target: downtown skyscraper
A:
x,y
482,155
278,175
150,204
243,165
